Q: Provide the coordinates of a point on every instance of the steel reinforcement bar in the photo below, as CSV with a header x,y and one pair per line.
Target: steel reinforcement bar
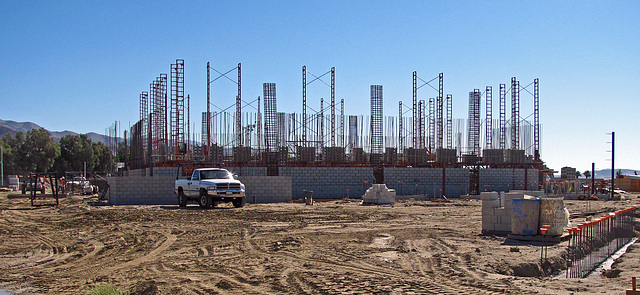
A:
x,y
592,242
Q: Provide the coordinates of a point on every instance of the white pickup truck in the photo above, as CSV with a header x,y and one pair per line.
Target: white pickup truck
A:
x,y
210,186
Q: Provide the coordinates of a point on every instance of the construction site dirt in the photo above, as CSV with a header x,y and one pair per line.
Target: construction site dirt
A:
x,y
332,247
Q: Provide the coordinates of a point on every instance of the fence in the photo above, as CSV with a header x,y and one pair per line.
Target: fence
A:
x,y
592,242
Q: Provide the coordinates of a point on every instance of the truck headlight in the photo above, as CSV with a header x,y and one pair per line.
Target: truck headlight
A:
x,y
211,188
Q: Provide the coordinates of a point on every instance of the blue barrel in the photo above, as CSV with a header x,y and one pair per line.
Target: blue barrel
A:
x,y
524,220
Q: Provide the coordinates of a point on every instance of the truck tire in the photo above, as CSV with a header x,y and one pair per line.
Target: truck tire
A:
x,y
239,202
204,201
182,199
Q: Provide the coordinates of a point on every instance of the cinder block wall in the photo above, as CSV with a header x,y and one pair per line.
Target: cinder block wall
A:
x,y
414,181
141,190
507,179
329,182
267,189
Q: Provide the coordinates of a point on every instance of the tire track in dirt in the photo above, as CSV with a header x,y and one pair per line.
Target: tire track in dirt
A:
x,y
169,240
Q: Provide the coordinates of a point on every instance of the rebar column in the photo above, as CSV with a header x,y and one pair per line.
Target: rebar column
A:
x,y
473,139
536,119
415,110
488,96
239,108
376,120
341,138
439,115
208,144
304,105
321,124
333,107
449,121
503,117
400,137
270,114
432,125
144,116
177,138
515,114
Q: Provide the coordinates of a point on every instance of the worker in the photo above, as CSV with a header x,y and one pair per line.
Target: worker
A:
x,y
61,184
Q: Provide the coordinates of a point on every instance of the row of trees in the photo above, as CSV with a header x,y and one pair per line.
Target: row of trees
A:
x,y
36,151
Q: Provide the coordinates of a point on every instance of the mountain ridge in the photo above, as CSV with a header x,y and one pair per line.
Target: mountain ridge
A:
x,y
13,127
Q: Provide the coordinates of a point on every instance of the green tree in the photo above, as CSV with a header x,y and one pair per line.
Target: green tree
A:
x,y
618,173
578,174
38,152
75,151
11,145
587,174
123,153
103,158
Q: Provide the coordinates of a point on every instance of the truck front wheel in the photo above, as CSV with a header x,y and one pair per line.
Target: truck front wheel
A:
x,y
205,201
239,202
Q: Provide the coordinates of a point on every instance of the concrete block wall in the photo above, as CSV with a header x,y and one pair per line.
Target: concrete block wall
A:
x,y
507,179
457,182
142,190
267,189
329,182
427,181
414,181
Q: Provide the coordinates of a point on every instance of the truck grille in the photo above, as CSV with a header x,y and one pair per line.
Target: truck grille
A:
x,y
229,186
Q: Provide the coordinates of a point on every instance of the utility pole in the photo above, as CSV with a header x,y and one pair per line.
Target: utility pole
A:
x,y
613,153
593,178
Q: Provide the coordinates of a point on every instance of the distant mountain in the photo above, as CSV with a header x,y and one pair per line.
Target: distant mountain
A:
x,y
606,173
12,127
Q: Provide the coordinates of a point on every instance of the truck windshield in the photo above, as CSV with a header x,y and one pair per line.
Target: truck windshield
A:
x,y
215,174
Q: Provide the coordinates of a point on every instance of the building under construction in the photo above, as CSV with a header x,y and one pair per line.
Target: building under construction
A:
x,y
421,150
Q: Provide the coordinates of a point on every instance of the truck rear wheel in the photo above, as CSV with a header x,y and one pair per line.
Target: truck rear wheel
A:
x,y
239,202
182,199
205,201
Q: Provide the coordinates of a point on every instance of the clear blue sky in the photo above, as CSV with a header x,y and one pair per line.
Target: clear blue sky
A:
x,y
81,65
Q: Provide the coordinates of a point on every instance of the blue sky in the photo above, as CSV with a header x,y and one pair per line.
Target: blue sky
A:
x,y
81,65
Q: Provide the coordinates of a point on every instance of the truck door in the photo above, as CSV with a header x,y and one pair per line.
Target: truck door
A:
x,y
194,184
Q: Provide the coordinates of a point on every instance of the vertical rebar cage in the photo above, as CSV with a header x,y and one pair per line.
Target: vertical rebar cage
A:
x,y
177,122
376,120
270,116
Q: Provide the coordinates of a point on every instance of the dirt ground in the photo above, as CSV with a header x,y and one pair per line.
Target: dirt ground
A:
x,y
333,247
